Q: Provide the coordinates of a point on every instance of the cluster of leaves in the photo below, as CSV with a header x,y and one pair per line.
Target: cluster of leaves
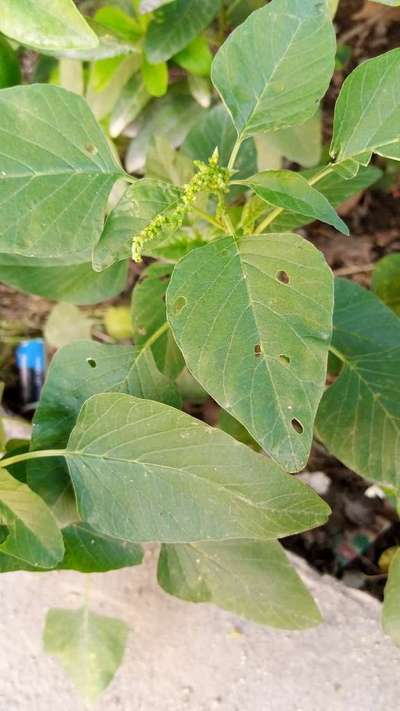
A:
x,y
236,305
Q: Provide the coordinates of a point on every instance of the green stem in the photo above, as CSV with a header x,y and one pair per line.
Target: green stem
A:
x,y
278,210
234,154
41,454
208,218
228,224
155,336
337,353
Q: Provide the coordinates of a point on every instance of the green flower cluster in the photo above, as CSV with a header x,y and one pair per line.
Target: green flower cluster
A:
x,y
211,178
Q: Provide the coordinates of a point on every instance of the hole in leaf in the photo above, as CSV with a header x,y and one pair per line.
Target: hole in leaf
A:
x,y
91,362
257,350
297,426
284,359
283,277
180,304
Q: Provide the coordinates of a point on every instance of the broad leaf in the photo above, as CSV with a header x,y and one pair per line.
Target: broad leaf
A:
x,y
76,373
299,144
90,647
75,284
250,578
176,25
34,23
292,192
196,58
253,319
359,416
143,471
56,172
140,203
32,534
386,281
149,314
367,113
133,98
163,162
391,606
262,71
88,551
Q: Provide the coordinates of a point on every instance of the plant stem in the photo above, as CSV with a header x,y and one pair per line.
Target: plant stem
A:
x,y
208,218
155,336
337,353
234,154
278,210
40,454
228,225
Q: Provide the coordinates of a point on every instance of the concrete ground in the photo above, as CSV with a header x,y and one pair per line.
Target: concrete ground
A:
x,y
184,657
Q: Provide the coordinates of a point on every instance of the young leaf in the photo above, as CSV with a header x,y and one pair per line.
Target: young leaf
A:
x,y
56,172
253,579
35,23
196,58
155,77
386,281
74,284
367,112
391,607
176,25
76,373
90,647
89,551
292,192
32,534
254,329
262,71
141,202
174,479
149,314
359,416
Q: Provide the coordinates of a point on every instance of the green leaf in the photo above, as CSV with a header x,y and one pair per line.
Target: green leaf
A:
x,y
176,25
32,534
149,314
292,192
165,163
66,324
76,373
215,129
119,22
359,416
196,58
228,424
299,144
386,281
10,73
133,98
88,551
254,329
367,112
253,579
140,203
391,607
32,22
56,172
262,71
155,77
107,79
75,284
109,45
90,647
174,479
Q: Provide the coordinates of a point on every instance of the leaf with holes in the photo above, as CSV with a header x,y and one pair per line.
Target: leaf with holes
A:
x,y
253,579
367,112
359,416
262,71
291,192
56,172
175,479
32,534
90,647
253,320
32,22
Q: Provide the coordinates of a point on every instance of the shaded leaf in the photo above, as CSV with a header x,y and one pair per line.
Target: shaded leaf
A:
x,y
10,73
299,144
88,551
278,90
367,112
176,25
250,578
140,203
253,320
56,172
32,534
174,479
386,281
359,416
90,647
32,22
